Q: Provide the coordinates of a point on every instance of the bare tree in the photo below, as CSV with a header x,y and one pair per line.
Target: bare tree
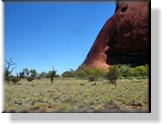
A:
x,y
9,67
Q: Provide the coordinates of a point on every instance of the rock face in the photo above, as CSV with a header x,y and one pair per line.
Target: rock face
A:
x,y
123,38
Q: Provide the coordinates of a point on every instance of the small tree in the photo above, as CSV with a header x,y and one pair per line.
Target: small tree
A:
x,y
26,72
33,73
125,70
52,74
113,74
9,67
21,74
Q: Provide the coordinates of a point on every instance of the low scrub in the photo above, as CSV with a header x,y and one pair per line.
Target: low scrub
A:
x,y
30,79
76,95
90,74
14,79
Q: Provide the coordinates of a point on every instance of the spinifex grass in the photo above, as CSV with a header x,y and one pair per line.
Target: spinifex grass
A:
x,y
75,95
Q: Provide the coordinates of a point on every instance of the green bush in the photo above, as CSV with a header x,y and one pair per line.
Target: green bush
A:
x,y
43,75
113,74
14,79
80,74
90,74
30,79
141,71
68,74
92,79
125,71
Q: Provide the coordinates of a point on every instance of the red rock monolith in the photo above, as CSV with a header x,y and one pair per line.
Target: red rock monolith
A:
x,y
123,38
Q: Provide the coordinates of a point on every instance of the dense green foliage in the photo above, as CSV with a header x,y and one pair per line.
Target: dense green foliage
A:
x,y
90,74
121,71
141,71
125,70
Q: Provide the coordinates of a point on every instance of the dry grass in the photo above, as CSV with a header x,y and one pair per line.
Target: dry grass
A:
x,y
74,95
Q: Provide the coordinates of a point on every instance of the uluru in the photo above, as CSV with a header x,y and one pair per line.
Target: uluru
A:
x,y
123,39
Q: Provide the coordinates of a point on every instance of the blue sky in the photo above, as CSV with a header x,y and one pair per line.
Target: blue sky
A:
x,y
42,36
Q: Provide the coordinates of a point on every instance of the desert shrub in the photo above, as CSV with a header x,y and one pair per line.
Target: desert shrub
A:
x,y
113,74
68,74
57,76
43,75
92,78
90,74
80,74
14,79
129,72
125,70
30,78
132,72
141,71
